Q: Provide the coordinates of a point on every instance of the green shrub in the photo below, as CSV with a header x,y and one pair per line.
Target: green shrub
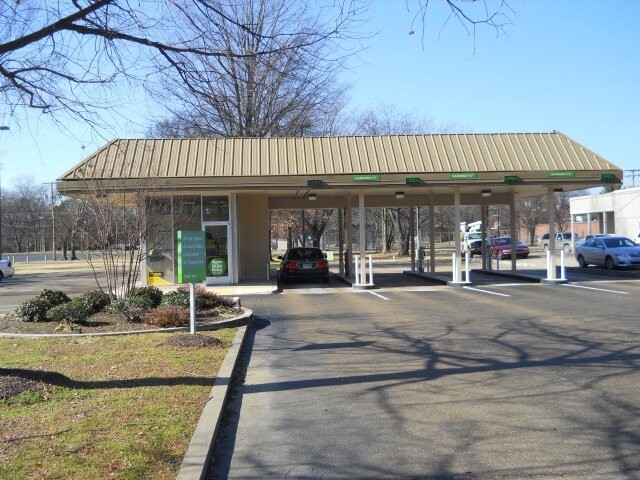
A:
x,y
75,311
153,294
35,309
132,308
166,317
178,298
94,300
205,300
54,297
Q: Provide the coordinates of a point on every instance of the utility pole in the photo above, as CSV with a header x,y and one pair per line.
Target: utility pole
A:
x,y
53,222
2,128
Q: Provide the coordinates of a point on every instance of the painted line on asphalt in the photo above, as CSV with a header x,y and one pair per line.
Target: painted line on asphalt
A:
x,y
594,288
487,291
377,295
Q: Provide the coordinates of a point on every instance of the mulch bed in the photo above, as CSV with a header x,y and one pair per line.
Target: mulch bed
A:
x,y
102,322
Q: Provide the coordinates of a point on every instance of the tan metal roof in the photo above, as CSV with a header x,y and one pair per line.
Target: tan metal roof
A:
x,y
261,157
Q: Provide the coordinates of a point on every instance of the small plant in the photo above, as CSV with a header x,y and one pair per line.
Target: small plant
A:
x,y
205,300
165,317
132,308
35,309
178,298
94,300
153,294
75,311
54,297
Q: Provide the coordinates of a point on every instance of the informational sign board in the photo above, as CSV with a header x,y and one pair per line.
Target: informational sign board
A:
x,y
192,263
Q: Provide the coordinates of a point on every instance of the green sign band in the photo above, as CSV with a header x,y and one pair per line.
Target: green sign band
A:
x,y
365,178
463,176
562,173
191,256
412,180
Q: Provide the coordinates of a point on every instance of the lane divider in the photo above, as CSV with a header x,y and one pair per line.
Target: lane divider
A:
x,y
377,294
487,291
594,288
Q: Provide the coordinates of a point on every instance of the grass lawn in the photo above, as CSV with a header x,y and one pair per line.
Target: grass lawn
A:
x,y
107,407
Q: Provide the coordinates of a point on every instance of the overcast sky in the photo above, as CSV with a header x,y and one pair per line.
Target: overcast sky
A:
x,y
563,65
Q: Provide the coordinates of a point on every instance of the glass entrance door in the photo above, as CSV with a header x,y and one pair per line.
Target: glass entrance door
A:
x,y
218,254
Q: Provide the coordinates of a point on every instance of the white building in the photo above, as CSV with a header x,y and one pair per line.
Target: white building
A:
x,y
617,212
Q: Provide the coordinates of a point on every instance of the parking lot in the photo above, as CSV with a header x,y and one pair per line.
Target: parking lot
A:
x,y
502,380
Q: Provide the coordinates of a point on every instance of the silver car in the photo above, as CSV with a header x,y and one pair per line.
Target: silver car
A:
x,y
6,270
610,252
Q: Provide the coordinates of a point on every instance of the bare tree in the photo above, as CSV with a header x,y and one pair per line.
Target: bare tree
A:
x,y
25,214
288,90
469,14
68,55
532,211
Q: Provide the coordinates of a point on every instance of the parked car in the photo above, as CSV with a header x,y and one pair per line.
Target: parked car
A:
x,y
6,270
562,241
303,263
609,252
592,235
638,239
501,246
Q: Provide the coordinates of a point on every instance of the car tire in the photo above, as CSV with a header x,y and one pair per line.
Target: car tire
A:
x,y
566,248
546,247
1,276
582,262
608,263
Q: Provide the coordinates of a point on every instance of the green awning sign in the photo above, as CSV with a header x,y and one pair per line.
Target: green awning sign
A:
x,y
561,173
511,179
608,177
365,178
191,256
463,176
413,180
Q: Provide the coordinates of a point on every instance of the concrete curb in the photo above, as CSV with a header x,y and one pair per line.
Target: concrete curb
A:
x,y
196,460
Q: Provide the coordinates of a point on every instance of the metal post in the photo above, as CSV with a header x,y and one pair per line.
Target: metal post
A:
x,y
357,261
563,272
370,270
192,308
454,262
466,267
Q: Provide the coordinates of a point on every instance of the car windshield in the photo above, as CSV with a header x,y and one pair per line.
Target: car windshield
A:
x,y
618,242
474,236
305,254
503,241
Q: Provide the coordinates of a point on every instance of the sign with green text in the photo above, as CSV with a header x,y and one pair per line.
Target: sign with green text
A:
x,y
463,176
365,178
413,180
191,256
562,173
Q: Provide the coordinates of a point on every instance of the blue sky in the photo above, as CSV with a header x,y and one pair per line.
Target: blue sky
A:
x,y
562,65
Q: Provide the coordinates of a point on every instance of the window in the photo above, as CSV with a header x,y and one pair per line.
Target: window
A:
x,y
215,209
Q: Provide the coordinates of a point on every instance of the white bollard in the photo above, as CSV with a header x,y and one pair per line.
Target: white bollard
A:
x,y
370,270
563,272
549,274
454,261
357,263
466,267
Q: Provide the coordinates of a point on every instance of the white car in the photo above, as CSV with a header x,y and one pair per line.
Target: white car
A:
x,y
6,270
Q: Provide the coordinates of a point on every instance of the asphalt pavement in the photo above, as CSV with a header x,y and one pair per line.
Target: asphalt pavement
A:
x,y
507,380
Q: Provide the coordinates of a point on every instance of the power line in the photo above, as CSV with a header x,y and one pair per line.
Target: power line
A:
x,y
632,174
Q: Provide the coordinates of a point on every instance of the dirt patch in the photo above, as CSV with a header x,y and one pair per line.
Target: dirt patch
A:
x,y
11,386
192,341
103,322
